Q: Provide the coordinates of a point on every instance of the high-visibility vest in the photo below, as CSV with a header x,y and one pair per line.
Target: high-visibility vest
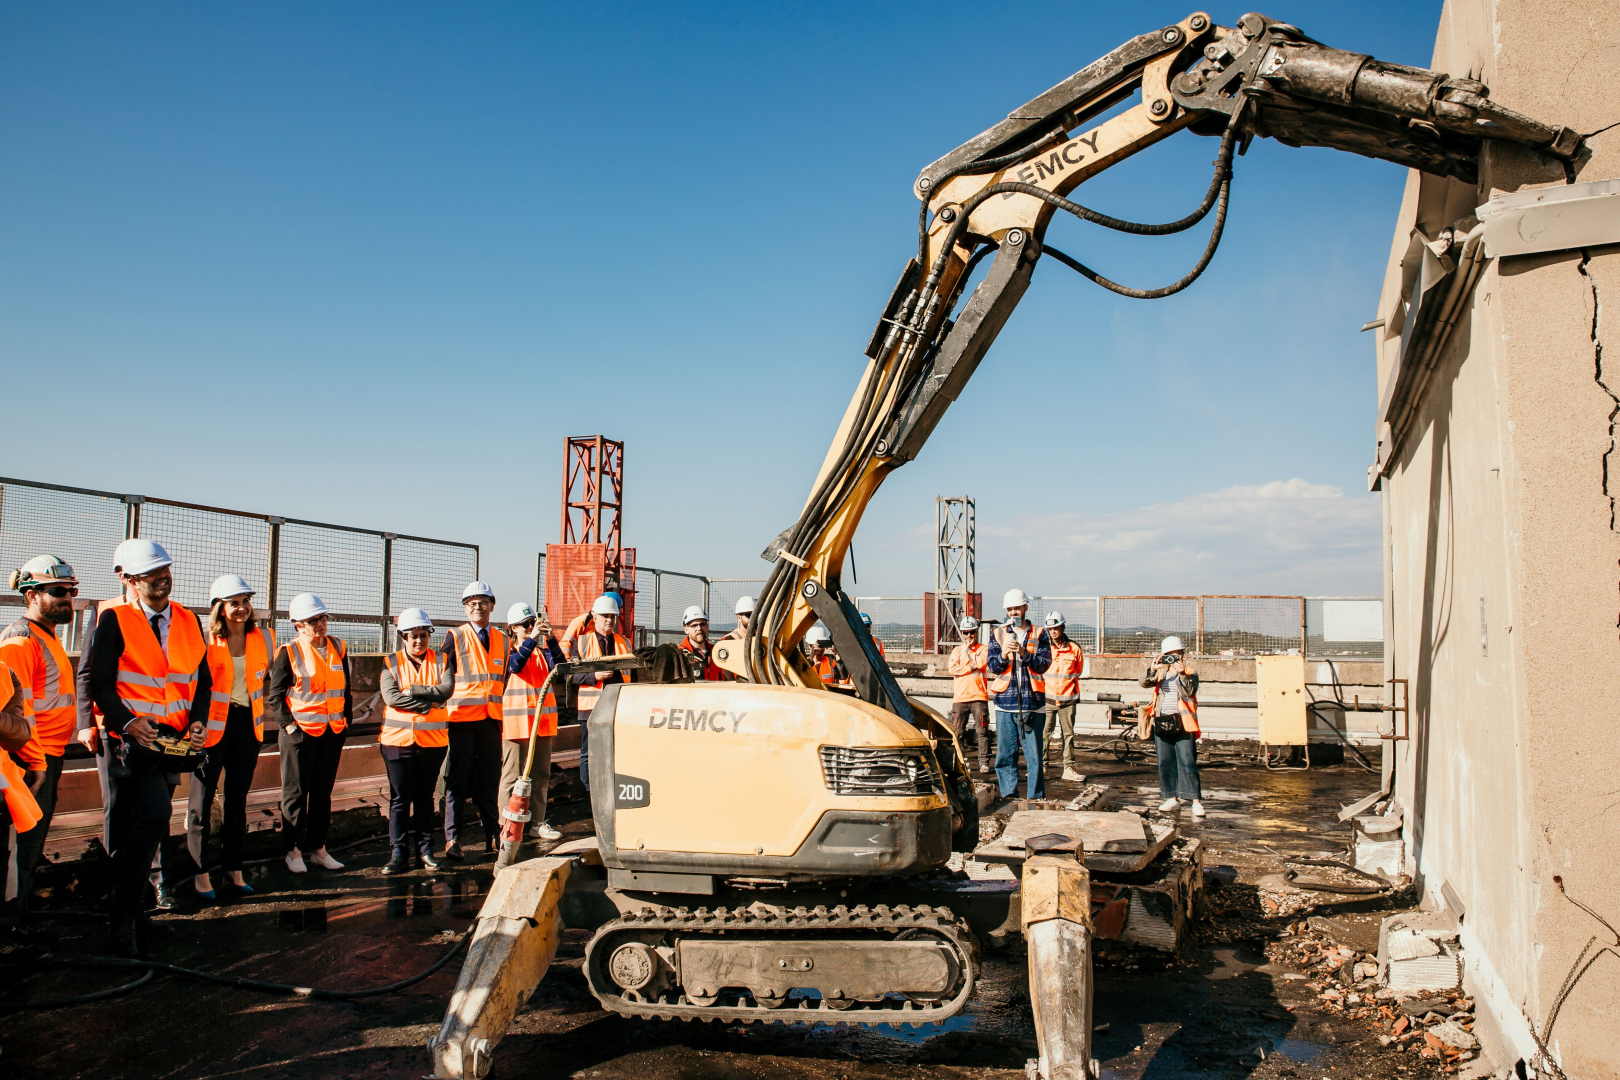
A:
x,y
480,674
589,647
709,673
156,682
967,666
568,641
522,700
315,699
36,657
401,728
1000,683
1186,706
827,669
1063,677
261,646
13,784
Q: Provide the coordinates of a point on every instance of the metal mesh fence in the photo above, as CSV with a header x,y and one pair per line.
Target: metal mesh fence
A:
x,y
343,568
1135,625
81,527
431,576
676,592
723,596
1080,617
1252,625
207,543
1349,627
897,621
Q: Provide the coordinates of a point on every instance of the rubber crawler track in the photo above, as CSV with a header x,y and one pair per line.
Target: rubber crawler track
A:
x,y
798,923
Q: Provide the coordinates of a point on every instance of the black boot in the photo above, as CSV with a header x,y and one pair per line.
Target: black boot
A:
x,y
453,852
398,864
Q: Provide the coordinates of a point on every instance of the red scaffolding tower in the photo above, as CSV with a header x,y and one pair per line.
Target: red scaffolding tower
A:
x,y
591,558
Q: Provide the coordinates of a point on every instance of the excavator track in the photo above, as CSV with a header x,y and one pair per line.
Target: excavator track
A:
x,y
784,929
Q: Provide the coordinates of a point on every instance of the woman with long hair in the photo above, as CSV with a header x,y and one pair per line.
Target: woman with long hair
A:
x,y
239,653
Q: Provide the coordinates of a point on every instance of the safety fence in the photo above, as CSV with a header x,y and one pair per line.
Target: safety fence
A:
x,y
364,576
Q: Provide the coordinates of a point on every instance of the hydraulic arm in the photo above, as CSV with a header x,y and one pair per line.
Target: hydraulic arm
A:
x,y
993,198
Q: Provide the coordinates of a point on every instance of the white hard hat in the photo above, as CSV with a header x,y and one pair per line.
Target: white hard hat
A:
x,y
1015,598
1054,618
744,606
136,557
478,588
228,585
693,613
519,612
968,624
606,604
42,570
412,618
819,635
1171,644
305,606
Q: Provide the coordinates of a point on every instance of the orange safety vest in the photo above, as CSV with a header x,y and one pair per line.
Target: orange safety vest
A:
x,y
261,646
522,698
42,668
20,802
967,667
1068,661
154,682
401,728
1186,706
710,672
828,671
589,647
999,683
480,674
315,699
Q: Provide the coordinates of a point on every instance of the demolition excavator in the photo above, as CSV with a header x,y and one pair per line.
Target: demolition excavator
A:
x,y
768,849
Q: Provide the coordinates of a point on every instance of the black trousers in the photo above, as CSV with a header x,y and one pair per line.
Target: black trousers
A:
x,y
31,844
473,773
309,767
236,755
140,818
116,817
413,773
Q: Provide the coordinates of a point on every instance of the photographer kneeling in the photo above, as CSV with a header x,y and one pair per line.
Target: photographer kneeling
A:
x,y
1172,717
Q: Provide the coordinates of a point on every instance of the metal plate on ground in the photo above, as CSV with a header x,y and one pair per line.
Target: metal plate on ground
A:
x,y
1119,842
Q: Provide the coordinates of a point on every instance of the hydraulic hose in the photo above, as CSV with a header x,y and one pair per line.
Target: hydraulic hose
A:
x,y
79,999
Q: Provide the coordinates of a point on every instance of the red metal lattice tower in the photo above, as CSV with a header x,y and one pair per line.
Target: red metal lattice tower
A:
x,y
592,494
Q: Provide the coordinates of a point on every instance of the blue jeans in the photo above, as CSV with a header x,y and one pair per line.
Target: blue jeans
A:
x,y
1178,768
1033,743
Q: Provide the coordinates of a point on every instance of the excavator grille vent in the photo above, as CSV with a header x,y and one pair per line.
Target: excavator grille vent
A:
x,y
880,770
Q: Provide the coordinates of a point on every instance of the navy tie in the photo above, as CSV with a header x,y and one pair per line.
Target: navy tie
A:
x,y
157,631
483,637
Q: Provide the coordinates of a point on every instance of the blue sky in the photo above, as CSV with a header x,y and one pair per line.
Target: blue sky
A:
x,y
346,262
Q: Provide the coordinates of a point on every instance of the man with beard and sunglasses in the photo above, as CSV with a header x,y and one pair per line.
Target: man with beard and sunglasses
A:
x,y
30,648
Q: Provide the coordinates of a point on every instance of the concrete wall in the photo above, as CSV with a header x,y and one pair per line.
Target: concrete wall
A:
x,y
1502,561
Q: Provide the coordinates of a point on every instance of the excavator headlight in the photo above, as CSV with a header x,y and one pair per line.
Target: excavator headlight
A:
x,y
880,770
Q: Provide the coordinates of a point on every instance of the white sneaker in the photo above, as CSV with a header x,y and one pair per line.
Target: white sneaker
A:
x,y
1198,808
295,863
546,832
322,859
1169,805
1070,774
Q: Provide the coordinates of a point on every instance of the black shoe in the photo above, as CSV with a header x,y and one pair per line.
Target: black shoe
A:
x,y
166,900
399,864
33,935
124,942
17,944
428,861
453,852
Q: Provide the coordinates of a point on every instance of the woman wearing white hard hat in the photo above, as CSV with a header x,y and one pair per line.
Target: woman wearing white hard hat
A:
x,y
695,621
239,653
596,635
310,701
415,684
1172,717
534,653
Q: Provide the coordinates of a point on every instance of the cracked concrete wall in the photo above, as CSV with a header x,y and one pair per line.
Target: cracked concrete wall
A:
x,y
1504,580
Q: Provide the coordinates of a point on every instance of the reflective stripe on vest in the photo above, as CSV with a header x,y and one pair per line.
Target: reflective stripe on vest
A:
x,y
523,695
1064,674
157,682
1001,683
260,647
46,676
1186,706
316,696
480,675
401,728
590,648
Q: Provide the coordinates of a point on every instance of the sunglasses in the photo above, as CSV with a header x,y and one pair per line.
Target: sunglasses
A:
x,y
59,591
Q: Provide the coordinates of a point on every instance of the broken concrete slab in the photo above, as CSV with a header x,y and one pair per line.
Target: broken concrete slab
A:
x,y
1116,842
1417,951
1360,935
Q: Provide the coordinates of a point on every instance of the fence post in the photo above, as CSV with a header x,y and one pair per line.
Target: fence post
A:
x,y
132,516
275,565
1198,635
387,587
1102,603
1302,627
658,603
705,599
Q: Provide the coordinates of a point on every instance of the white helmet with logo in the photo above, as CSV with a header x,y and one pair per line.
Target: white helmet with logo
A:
x,y
413,618
42,570
133,558
1054,618
968,624
519,613
228,585
606,604
694,613
478,588
1014,598
304,607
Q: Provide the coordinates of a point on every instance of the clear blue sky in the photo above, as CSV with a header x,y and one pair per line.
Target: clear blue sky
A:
x,y
339,261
